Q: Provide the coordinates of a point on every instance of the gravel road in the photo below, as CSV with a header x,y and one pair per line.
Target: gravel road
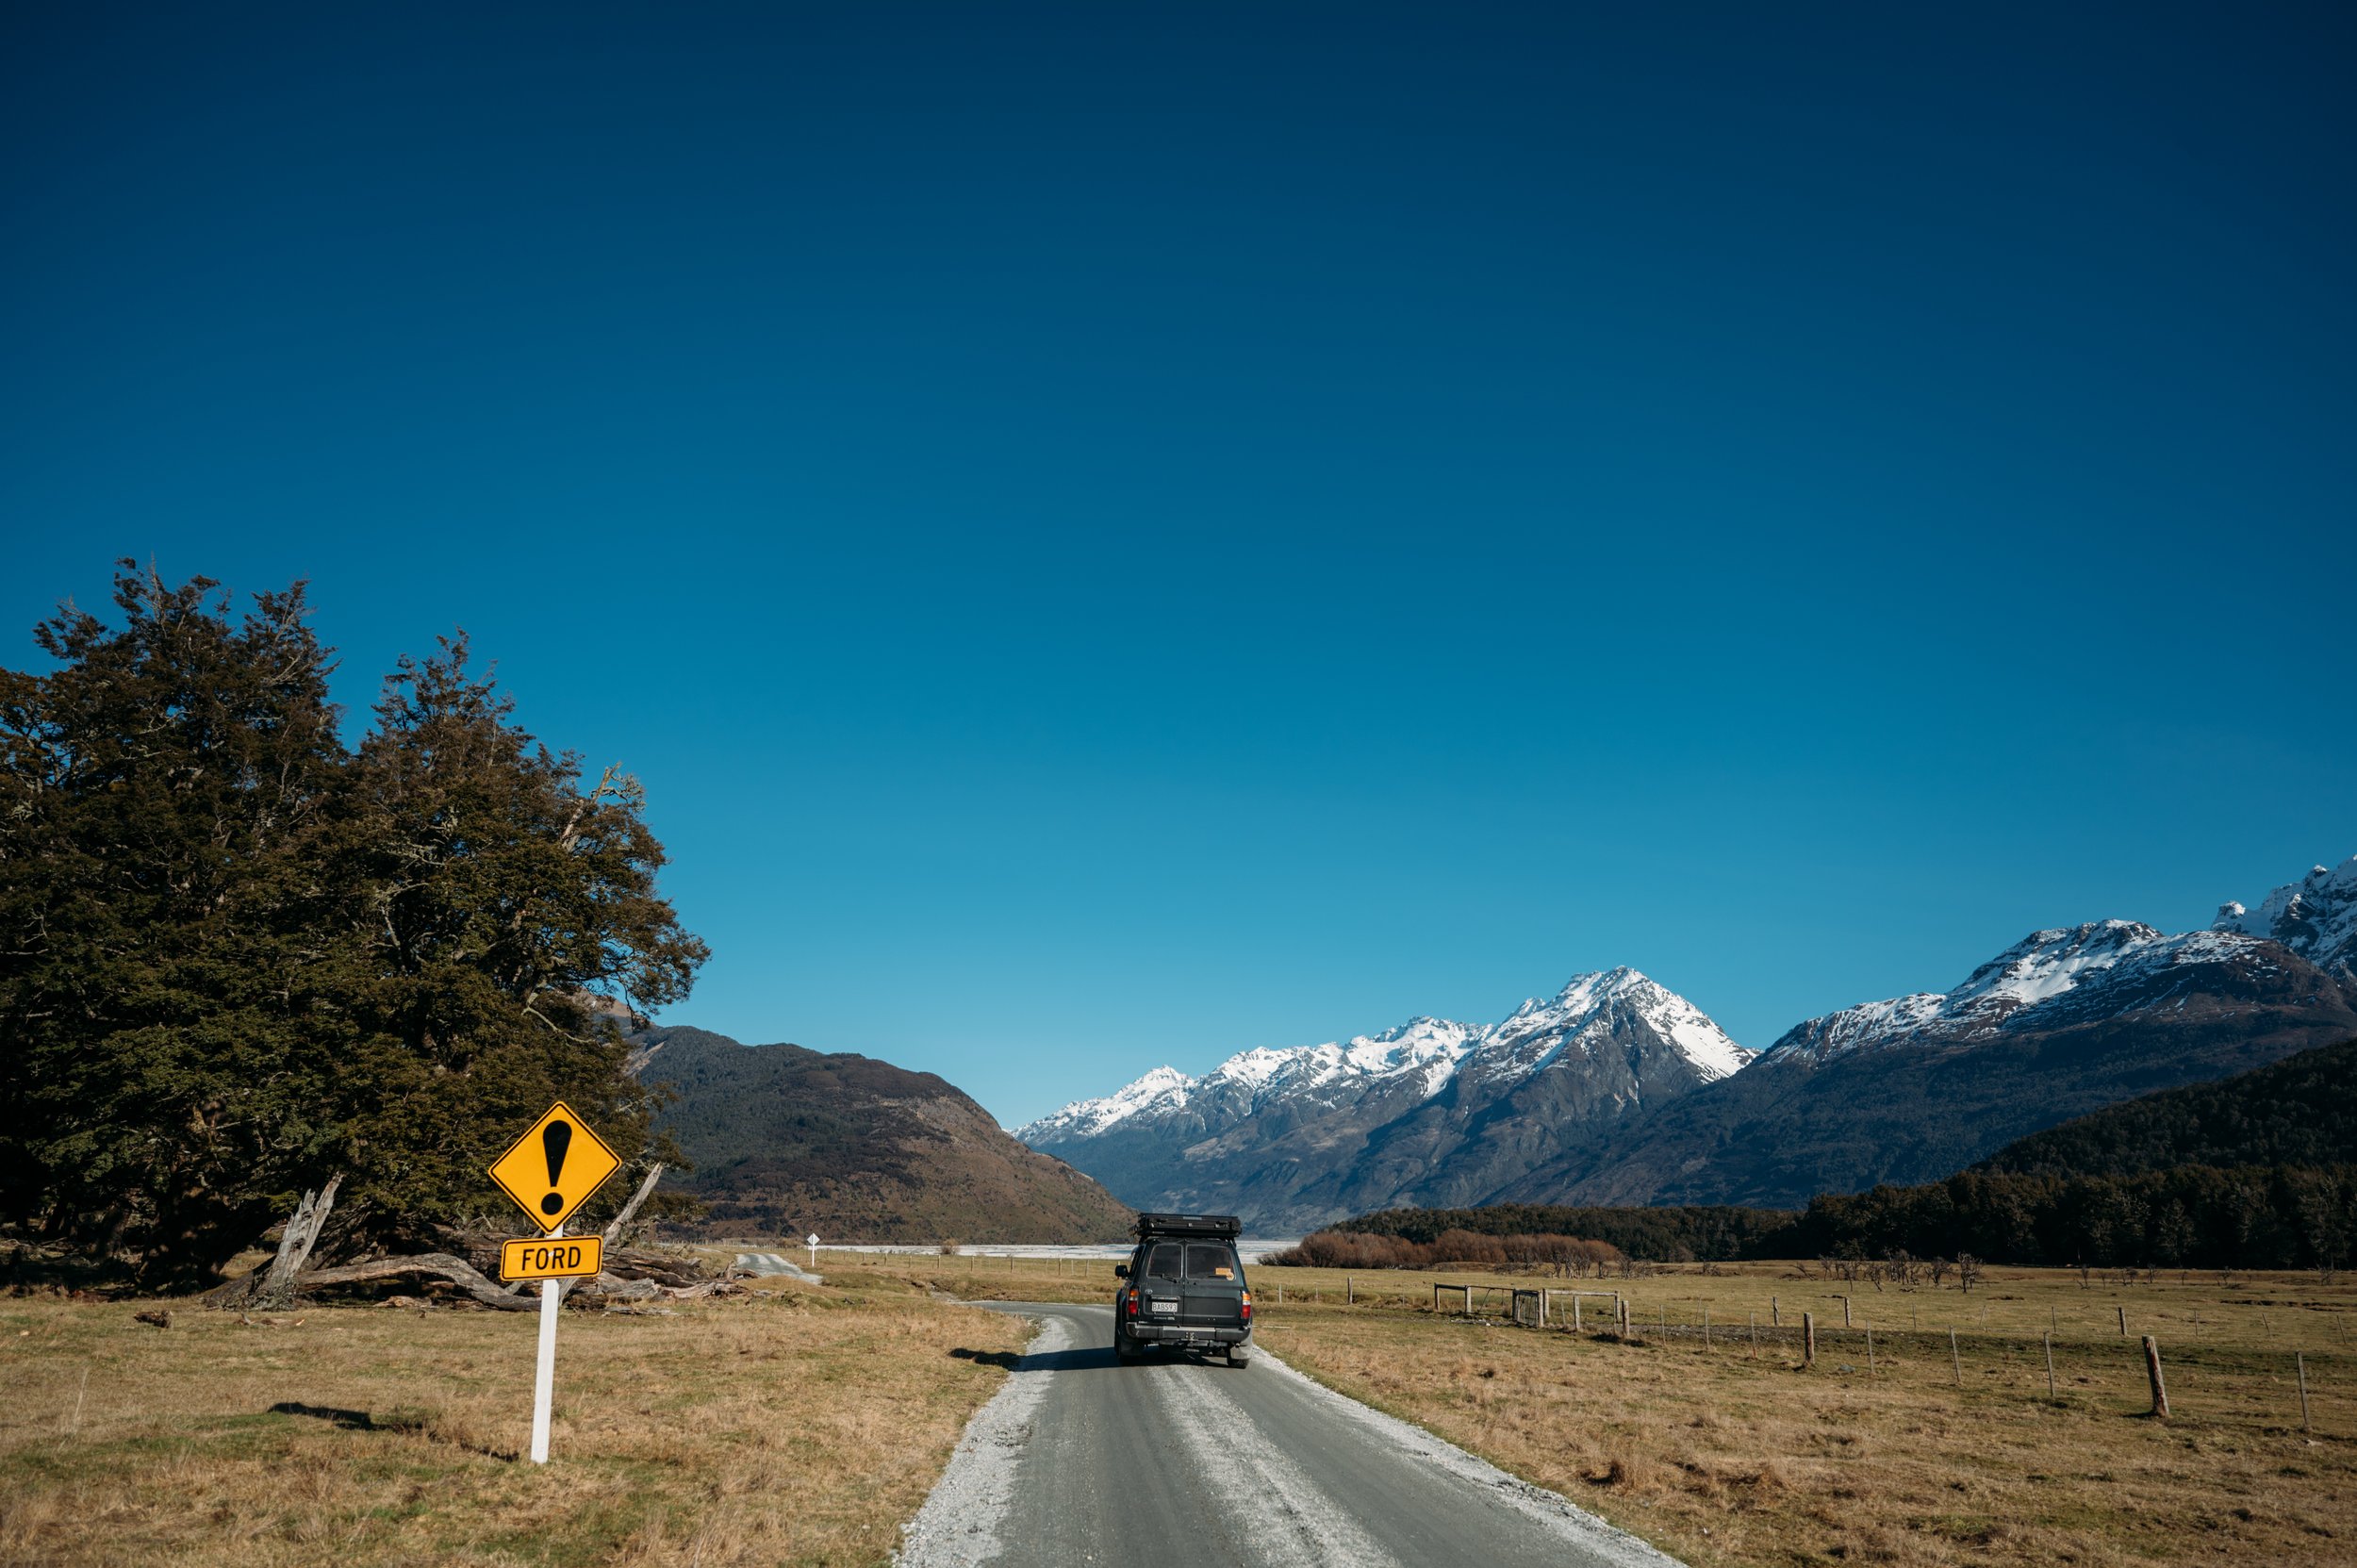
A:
x,y
1081,1461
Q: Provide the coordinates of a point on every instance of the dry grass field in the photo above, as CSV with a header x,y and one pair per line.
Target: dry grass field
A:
x,y
803,1426
1728,1457
806,1426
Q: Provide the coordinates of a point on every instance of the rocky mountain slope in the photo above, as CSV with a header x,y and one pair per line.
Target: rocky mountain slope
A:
x,y
1908,1090
1433,1112
786,1141
2316,917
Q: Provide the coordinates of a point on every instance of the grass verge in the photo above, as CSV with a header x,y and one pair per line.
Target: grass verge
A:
x,y
803,1426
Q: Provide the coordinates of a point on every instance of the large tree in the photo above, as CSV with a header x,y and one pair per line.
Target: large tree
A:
x,y
508,913
237,957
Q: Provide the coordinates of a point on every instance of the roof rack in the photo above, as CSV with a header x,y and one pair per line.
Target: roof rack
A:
x,y
1190,1225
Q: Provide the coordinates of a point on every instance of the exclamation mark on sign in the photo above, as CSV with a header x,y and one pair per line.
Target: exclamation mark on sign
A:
x,y
554,1139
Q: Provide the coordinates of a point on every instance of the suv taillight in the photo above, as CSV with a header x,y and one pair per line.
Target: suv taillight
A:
x,y
1130,1303
1248,1306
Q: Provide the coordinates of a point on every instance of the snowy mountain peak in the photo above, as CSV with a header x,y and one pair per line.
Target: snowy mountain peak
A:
x,y
1587,1003
2316,917
2048,963
1164,1087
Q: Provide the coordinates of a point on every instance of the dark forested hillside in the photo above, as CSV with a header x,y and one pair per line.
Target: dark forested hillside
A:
x,y
1659,1235
2301,1110
787,1140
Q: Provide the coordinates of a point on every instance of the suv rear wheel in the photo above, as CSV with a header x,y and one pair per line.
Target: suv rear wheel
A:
x,y
1239,1359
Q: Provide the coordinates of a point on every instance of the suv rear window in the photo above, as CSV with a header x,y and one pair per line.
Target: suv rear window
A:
x,y
1211,1261
1201,1260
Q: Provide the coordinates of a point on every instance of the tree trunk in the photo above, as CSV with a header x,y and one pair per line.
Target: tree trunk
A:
x,y
275,1286
295,1244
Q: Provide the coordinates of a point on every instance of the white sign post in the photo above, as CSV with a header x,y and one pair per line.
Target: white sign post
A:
x,y
810,1241
550,1171
544,1373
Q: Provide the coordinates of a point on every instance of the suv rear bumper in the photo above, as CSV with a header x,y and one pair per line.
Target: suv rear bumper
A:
x,y
1185,1334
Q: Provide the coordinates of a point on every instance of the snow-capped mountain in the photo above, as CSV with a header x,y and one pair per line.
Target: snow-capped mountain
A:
x,y
1911,1089
1618,1091
2044,980
2316,917
1427,1111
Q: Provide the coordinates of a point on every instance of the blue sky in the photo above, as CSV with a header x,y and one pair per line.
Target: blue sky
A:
x,y
1116,540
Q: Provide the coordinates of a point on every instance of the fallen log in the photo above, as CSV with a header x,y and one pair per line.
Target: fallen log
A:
x,y
440,1265
621,1221
607,1288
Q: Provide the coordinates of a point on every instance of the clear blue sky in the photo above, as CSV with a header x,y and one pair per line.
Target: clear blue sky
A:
x,y
1115,540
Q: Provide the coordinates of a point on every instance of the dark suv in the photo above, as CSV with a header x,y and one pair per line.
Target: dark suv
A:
x,y
1184,1289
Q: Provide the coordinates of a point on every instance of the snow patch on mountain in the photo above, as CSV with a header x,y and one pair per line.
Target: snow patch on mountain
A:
x,y
2019,988
2316,917
1164,1087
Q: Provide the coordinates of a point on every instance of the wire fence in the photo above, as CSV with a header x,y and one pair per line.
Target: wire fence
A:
x,y
2091,1360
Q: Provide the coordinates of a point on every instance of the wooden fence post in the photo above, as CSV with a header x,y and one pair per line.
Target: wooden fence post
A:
x,y
1845,1311
2123,1323
1754,1322
1706,1329
1870,1351
1776,1313
2050,1363
1808,1338
1954,1360
2299,1363
2152,1372
1574,1311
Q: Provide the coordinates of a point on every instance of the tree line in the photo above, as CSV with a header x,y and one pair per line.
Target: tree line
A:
x,y
240,953
2190,1217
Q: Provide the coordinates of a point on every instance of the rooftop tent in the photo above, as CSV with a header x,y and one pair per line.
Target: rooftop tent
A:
x,y
1225,1226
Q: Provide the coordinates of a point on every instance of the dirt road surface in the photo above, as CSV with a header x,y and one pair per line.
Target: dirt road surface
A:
x,y
1081,1462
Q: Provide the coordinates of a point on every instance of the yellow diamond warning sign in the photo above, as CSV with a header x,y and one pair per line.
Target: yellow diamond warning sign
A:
x,y
543,1259
553,1166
